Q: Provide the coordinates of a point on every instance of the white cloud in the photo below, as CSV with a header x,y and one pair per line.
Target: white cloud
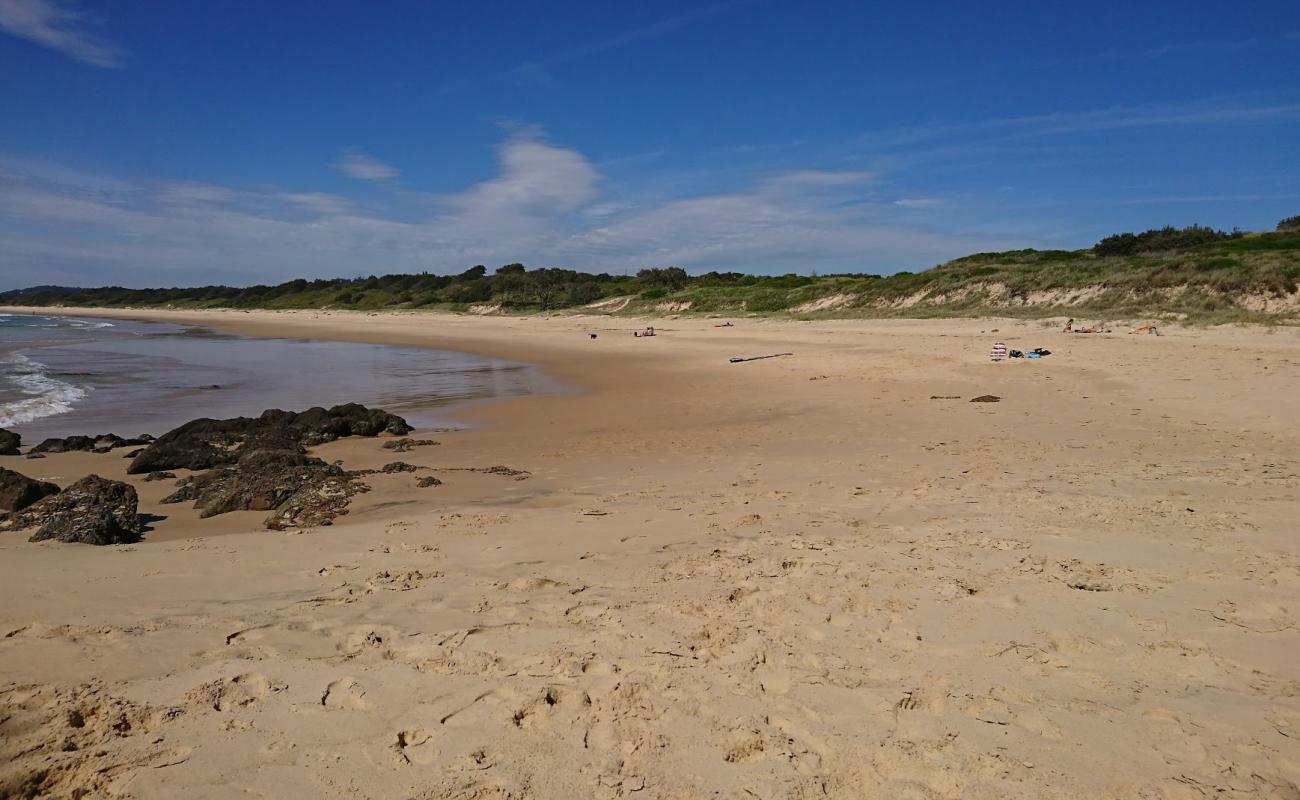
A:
x,y
59,26
546,206
365,167
539,184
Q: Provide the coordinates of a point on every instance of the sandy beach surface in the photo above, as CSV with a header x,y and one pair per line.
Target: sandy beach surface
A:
x,y
827,575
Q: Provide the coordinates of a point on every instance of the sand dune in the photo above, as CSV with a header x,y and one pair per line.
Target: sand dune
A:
x,y
822,576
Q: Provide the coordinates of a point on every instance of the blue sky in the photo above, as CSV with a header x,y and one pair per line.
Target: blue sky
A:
x,y
163,143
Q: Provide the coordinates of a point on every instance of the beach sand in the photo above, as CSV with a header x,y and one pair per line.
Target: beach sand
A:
x,y
820,576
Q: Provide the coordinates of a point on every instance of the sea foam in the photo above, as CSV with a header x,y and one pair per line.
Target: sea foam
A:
x,y
46,396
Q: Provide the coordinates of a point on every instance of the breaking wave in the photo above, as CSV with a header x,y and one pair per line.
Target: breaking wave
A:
x,y
31,394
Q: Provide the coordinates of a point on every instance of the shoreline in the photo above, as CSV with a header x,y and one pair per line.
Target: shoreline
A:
x,y
797,577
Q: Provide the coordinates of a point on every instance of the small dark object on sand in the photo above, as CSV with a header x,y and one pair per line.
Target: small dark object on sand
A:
x,y
592,335
427,481
398,466
739,359
945,397
36,455
986,398
159,476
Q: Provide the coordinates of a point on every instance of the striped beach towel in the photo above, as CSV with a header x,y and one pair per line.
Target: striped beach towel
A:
x,y
999,351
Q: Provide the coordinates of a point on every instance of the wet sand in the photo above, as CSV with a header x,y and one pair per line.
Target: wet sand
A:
x,y
813,576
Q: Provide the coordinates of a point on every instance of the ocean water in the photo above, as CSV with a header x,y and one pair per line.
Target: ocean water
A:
x,y
67,375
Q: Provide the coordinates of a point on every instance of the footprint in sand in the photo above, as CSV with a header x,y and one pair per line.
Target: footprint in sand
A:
x,y
345,693
415,746
228,694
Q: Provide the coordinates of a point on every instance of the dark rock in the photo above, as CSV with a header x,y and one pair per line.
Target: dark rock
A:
x,y
72,444
93,510
134,441
206,443
302,490
35,455
159,476
398,466
68,444
517,474
19,491
986,398
9,442
427,481
134,453
404,445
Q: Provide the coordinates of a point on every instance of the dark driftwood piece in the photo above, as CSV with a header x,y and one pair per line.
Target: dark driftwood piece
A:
x,y
739,359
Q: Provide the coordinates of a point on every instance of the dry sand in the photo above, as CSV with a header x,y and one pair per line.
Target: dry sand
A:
x,y
793,578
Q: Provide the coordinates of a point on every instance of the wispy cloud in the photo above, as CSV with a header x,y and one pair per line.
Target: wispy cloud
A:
x,y
1179,49
1214,112
59,26
539,71
546,205
364,167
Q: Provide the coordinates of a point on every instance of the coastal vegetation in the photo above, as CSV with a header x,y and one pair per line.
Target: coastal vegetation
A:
x,y
1194,272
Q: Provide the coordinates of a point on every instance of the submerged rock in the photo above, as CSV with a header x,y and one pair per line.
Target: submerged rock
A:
x,y
304,491
206,443
19,491
93,510
9,442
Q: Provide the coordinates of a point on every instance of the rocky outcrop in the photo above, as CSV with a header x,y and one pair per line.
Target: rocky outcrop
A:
x,y
89,444
19,491
93,510
303,491
9,443
67,444
405,445
207,443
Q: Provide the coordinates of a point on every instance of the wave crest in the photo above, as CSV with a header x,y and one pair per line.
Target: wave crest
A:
x,y
46,396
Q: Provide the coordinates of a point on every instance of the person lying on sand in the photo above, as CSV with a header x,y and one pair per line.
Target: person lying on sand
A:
x,y
1069,328
1147,328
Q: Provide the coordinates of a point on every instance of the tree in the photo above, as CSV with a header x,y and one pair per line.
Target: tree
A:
x,y
671,278
473,273
511,269
1290,224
